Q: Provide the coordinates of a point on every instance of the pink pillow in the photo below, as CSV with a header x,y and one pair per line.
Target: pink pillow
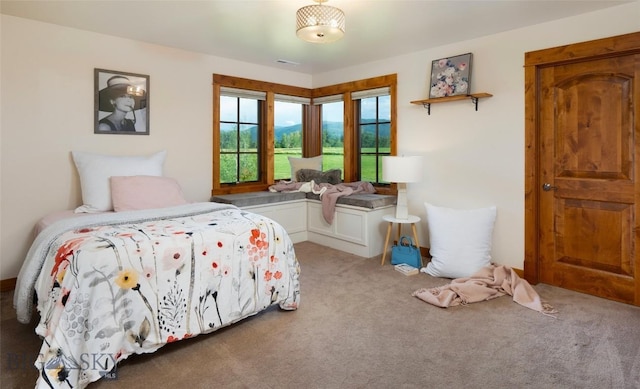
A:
x,y
130,193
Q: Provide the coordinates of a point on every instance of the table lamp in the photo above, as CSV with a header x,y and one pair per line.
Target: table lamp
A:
x,y
401,170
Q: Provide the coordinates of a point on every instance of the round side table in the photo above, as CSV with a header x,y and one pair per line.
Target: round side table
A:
x,y
411,219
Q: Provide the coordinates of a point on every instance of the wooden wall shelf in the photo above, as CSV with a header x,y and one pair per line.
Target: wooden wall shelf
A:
x,y
474,97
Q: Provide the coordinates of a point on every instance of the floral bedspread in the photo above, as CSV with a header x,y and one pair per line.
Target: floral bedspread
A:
x,y
105,292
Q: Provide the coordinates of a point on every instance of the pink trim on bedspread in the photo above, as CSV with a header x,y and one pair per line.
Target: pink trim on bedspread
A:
x,y
54,217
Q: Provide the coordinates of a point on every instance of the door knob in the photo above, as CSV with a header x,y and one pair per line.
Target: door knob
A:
x,y
547,187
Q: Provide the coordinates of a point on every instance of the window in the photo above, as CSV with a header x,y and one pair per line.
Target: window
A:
x,y
288,135
240,132
333,136
257,125
332,131
373,113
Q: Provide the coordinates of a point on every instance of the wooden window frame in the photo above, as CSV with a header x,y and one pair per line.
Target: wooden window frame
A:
x,y
311,127
260,116
358,127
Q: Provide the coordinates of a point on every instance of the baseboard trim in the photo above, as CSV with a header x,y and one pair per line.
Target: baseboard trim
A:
x,y
424,251
8,284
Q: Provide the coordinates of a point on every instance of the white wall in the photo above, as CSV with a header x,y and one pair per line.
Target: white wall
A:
x,y
475,159
47,111
471,158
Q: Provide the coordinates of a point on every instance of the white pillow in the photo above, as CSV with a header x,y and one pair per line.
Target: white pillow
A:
x,y
460,240
95,170
314,163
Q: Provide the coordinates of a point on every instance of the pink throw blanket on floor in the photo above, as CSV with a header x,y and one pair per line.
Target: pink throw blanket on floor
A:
x,y
488,283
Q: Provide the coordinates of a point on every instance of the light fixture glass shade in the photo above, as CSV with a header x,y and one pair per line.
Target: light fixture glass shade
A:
x,y
320,23
402,170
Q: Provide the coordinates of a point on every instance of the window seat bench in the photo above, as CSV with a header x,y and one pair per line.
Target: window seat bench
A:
x,y
357,226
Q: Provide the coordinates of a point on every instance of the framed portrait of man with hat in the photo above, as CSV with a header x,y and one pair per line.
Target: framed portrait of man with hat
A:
x,y
121,102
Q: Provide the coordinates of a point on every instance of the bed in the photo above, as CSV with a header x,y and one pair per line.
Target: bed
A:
x,y
109,285
115,284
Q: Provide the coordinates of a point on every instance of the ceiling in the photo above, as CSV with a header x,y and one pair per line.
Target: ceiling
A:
x,y
263,31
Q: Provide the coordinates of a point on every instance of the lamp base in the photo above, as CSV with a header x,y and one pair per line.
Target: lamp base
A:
x,y
402,210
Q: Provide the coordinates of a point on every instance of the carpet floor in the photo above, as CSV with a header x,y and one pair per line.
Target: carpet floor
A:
x,y
359,327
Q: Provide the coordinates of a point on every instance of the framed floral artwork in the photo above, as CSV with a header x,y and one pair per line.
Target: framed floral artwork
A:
x,y
121,102
451,76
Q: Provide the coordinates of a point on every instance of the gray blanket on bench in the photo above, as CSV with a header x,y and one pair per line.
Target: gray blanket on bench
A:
x,y
329,193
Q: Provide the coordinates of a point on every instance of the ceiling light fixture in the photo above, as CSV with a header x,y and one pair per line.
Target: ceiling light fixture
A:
x,y
320,23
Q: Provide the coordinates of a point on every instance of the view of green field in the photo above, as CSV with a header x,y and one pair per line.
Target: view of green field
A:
x,y
332,158
288,144
240,133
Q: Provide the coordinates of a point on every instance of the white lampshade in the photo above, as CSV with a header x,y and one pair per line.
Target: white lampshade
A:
x,y
402,169
320,23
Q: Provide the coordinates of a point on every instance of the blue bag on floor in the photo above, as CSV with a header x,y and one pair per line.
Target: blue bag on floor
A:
x,y
405,251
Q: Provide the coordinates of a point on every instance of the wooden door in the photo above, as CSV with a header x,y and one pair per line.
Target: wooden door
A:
x,y
586,180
